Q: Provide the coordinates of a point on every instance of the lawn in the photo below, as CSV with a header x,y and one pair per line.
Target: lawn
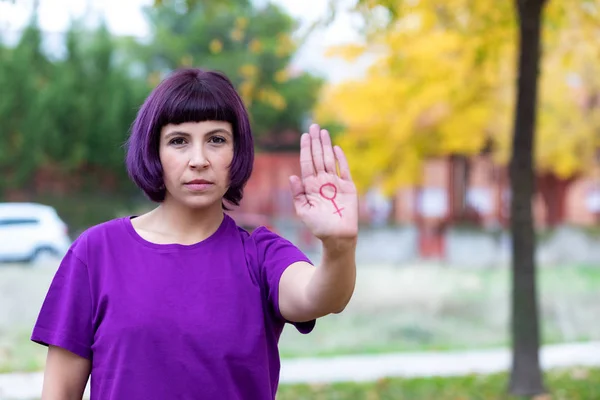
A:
x,y
571,384
437,308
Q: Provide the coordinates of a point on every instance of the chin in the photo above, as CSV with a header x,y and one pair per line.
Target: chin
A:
x,y
201,202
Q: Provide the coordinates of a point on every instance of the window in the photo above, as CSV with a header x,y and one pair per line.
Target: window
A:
x,y
18,221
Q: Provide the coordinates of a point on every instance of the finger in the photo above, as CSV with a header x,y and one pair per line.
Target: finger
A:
x,y
298,193
317,149
343,163
328,155
306,163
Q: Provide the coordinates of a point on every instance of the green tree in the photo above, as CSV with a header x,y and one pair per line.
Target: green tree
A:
x,y
21,110
252,45
66,117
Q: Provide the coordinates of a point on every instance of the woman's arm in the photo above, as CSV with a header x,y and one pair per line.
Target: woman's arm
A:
x,y
307,293
327,203
65,376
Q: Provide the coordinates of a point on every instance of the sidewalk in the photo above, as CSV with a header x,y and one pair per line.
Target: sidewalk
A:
x,y
372,367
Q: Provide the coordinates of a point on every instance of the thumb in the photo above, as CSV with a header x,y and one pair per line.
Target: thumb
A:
x,y
298,193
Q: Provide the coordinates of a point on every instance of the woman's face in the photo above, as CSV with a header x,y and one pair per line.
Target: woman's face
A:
x,y
195,158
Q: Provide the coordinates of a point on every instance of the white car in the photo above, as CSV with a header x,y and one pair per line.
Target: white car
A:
x,y
32,232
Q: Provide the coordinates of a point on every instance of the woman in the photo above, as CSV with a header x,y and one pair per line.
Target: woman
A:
x,y
181,303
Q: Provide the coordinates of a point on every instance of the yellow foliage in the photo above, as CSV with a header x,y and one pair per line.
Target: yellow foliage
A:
x,y
248,71
241,23
237,35
349,52
186,61
215,46
246,92
284,46
566,139
272,98
444,84
282,76
255,46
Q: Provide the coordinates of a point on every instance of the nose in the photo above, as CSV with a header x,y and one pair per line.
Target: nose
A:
x,y
197,158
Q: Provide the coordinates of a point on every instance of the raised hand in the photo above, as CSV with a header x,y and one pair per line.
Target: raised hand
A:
x,y
327,202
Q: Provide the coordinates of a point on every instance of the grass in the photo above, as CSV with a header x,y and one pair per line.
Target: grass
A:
x,y
18,353
399,309
567,384
429,308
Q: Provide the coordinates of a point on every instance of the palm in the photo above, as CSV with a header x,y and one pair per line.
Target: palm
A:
x,y
325,201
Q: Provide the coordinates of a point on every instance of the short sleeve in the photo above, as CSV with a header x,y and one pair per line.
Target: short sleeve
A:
x,y
65,318
275,254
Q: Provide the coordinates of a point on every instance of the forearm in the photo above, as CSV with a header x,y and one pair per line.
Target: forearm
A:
x,y
332,284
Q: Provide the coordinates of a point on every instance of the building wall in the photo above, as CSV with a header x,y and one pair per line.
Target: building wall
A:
x,y
577,203
488,193
268,192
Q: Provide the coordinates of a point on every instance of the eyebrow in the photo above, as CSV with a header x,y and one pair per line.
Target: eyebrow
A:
x,y
211,132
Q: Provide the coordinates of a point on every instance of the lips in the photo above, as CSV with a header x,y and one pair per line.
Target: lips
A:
x,y
199,185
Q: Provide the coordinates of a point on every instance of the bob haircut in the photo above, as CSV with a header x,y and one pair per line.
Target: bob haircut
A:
x,y
189,95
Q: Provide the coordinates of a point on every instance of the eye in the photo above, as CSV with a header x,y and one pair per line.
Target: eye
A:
x,y
218,139
177,141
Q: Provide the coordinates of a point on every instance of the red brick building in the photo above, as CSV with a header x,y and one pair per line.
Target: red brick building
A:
x,y
453,190
482,195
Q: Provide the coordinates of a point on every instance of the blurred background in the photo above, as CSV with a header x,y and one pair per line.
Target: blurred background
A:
x,y
421,95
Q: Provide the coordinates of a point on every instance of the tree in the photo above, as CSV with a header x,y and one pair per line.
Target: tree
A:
x,y
444,84
20,108
93,100
525,377
253,45
568,121
453,82
65,118
422,71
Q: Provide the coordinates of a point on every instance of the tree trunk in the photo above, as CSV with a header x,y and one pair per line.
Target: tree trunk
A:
x,y
526,376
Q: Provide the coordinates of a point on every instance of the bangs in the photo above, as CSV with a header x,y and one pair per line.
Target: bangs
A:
x,y
194,102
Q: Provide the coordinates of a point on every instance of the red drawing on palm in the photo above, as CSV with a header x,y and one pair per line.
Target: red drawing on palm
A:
x,y
332,197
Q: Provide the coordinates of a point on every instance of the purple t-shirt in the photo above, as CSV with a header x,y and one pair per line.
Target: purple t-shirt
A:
x,y
171,321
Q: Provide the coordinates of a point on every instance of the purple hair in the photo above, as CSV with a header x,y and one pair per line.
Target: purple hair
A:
x,y
188,95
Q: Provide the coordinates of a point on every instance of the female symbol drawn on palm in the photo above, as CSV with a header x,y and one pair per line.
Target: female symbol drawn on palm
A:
x,y
321,189
332,198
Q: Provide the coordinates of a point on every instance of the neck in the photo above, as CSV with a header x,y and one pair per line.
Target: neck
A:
x,y
187,224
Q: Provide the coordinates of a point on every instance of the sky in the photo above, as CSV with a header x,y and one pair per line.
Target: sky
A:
x,y
124,17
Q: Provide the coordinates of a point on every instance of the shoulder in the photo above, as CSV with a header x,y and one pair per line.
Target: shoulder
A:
x,y
273,248
99,235
264,238
263,234
260,235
